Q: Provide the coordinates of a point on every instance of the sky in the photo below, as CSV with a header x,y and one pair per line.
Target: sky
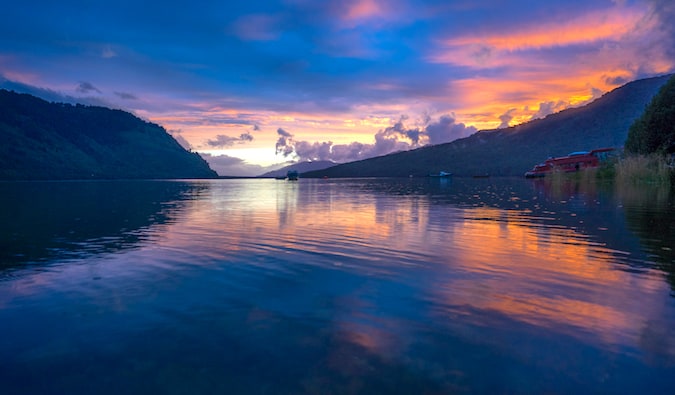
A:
x,y
254,85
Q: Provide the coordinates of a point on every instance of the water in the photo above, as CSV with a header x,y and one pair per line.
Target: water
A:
x,y
365,286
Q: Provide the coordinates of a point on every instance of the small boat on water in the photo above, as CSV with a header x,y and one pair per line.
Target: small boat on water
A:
x,y
441,174
571,163
292,175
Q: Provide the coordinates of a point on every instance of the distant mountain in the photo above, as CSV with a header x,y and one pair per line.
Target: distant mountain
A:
x,y
301,167
42,140
512,151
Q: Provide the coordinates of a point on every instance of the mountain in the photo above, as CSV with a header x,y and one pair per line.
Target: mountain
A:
x,y
512,151
42,140
301,167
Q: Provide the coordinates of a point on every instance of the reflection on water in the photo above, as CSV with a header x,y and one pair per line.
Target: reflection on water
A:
x,y
43,221
338,286
649,213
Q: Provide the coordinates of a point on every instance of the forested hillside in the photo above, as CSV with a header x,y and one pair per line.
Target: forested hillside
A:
x,y
42,140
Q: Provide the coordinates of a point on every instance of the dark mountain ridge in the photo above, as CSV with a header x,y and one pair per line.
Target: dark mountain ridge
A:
x,y
43,140
301,167
514,150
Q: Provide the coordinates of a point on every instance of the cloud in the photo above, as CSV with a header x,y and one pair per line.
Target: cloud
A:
x,y
547,108
349,152
226,165
314,151
447,130
108,53
222,140
125,96
595,26
283,133
87,87
363,9
49,94
177,135
664,12
506,118
256,27
395,138
284,145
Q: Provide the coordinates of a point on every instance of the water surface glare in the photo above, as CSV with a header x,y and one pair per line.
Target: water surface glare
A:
x,y
355,286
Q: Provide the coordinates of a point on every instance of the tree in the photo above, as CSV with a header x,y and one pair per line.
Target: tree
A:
x,y
654,131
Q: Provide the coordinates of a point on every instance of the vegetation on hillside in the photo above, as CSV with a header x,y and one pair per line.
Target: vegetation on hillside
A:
x,y
654,131
650,145
42,140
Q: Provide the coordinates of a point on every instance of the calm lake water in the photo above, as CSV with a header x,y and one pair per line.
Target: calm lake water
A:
x,y
360,286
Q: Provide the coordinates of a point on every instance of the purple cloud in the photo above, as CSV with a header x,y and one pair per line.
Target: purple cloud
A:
x,y
87,87
222,140
397,137
226,165
125,96
177,135
284,144
447,130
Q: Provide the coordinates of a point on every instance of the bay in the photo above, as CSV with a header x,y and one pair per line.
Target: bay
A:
x,y
346,286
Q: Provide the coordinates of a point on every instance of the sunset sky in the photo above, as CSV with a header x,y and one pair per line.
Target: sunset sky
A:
x,y
250,84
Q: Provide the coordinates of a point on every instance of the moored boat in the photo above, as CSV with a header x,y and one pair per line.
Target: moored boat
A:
x,y
570,163
441,174
292,175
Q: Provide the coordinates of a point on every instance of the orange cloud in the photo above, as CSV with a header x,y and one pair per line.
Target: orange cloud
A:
x,y
584,29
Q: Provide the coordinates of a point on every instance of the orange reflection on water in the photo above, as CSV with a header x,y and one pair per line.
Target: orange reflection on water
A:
x,y
549,276
531,269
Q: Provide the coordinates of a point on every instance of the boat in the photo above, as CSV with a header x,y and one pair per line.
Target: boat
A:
x,y
441,174
573,162
292,175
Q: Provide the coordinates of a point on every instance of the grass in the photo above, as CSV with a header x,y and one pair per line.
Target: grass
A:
x,y
639,169
636,169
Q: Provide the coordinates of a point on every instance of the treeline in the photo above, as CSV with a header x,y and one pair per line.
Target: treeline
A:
x,y
42,140
654,131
